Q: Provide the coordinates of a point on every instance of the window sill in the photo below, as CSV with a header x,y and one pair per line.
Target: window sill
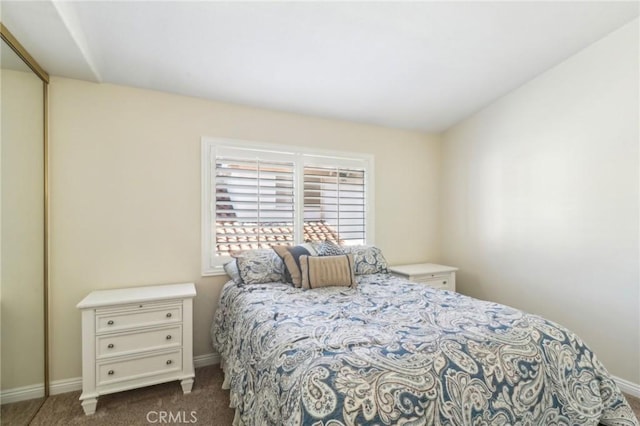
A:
x,y
214,273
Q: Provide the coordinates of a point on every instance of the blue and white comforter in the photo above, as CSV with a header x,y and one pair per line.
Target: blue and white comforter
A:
x,y
391,352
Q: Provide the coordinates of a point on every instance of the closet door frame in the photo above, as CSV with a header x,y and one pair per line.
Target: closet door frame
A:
x,y
15,45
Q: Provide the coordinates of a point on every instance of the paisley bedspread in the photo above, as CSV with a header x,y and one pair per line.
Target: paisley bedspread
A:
x,y
392,352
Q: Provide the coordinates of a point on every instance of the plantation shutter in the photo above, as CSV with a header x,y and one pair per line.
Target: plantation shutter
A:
x,y
254,200
334,198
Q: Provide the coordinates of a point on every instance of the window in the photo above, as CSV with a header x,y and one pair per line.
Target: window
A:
x,y
335,197
259,195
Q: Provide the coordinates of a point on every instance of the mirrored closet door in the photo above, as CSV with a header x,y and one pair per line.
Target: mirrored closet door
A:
x,y
23,285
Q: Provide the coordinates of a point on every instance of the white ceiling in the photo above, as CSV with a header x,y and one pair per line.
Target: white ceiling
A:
x,y
414,65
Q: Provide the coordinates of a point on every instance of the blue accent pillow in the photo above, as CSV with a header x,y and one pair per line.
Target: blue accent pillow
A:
x,y
290,255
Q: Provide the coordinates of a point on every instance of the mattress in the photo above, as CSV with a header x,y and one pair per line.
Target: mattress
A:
x,y
394,352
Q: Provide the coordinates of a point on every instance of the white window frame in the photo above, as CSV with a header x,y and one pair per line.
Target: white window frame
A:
x,y
211,264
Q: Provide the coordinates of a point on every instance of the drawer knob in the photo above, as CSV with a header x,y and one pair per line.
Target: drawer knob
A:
x,y
110,345
169,315
110,322
111,372
169,362
444,282
168,337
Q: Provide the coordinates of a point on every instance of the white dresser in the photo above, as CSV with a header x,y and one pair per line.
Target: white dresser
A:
x,y
136,337
437,276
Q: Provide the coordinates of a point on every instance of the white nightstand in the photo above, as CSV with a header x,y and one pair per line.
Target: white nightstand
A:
x,y
136,337
437,276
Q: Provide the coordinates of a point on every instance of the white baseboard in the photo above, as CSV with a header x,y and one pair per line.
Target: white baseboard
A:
x,y
70,385
22,394
627,387
206,359
66,385
75,384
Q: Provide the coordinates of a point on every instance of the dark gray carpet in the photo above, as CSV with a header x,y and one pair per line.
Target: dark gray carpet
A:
x,y
19,413
207,404
635,404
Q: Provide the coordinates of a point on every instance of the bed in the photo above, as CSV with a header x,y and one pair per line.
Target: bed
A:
x,y
386,351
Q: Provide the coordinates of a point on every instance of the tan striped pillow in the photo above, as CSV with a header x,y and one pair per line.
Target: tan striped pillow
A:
x,y
326,271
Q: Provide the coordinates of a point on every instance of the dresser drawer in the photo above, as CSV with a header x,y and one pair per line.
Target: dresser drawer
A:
x,y
138,317
437,276
129,369
442,282
122,343
438,283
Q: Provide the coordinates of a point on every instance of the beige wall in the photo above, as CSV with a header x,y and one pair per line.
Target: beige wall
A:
x,y
125,193
540,199
22,177
535,198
